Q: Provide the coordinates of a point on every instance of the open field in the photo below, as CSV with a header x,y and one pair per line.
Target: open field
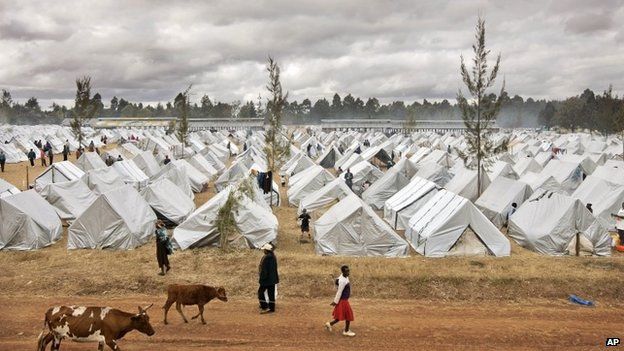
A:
x,y
512,303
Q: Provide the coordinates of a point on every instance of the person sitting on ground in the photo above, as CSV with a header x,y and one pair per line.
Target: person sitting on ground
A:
x,y
305,223
589,207
167,160
109,160
119,158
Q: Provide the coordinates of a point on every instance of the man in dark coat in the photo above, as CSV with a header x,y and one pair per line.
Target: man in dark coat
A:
x,y
268,279
2,160
50,155
31,157
349,178
65,150
167,160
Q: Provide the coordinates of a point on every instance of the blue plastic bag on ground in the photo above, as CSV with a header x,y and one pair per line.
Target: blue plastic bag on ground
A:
x,y
577,300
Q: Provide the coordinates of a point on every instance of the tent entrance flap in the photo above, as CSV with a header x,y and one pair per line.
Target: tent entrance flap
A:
x,y
580,246
469,244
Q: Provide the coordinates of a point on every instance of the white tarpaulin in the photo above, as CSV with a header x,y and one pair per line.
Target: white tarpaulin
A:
x,y
450,225
90,160
352,228
27,222
330,193
58,172
69,199
7,189
103,180
496,200
400,208
118,219
389,184
168,201
310,181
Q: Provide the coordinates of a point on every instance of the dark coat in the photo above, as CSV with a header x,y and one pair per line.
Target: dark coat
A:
x,y
268,270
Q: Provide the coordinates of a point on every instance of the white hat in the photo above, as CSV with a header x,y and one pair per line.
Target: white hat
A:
x,y
267,246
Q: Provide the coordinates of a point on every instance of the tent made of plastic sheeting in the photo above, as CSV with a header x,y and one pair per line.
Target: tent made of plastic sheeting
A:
x,y
434,172
213,160
540,181
495,202
256,224
147,163
313,179
364,172
168,202
325,196
351,161
118,219
585,161
464,184
13,154
58,172
420,154
329,157
131,174
233,174
551,224
201,164
177,175
69,199
28,222
606,198
7,189
389,184
440,157
301,162
526,164
502,169
400,208
352,228
131,150
450,225
90,160
612,171
103,180
568,174
199,182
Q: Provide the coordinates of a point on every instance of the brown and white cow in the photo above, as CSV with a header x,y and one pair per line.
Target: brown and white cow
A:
x,y
192,295
102,324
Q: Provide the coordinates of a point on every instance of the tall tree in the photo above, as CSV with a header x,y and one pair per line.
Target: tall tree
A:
x,y
182,104
114,104
33,105
83,107
277,149
479,113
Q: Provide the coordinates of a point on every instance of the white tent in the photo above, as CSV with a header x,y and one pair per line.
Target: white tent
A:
x,y
540,181
352,228
69,199
612,171
433,172
389,184
199,182
200,163
363,172
606,198
300,162
313,179
568,174
103,179
90,160
146,163
464,184
117,219
399,208
256,224
526,164
131,174
13,155
168,201
329,156
7,189
177,175
450,225
549,223
27,222
330,193
58,172
496,200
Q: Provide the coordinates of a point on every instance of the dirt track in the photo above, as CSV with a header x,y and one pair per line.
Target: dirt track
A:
x,y
380,324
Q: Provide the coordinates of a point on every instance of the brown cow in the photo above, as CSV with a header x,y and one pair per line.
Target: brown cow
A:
x,y
102,324
184,295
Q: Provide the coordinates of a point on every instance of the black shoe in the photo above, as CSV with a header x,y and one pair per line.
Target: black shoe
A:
x,y
266,311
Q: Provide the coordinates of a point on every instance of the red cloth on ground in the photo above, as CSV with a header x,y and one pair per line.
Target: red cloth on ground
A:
x,y
342,311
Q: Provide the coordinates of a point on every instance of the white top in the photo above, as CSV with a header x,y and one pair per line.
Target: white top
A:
x,y
342,282
619,222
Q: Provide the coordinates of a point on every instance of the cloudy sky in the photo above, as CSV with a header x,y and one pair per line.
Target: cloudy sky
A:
x,y
409,50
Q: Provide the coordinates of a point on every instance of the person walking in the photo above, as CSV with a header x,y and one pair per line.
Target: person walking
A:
x,y
342,308
305,223
2,160
348,176
163,247
42,155
31,157
51,156
268,279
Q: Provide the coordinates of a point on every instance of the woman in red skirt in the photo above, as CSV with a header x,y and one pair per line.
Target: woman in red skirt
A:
x,y
342,308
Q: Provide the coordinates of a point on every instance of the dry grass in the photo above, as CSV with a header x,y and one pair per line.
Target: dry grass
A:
x,y
57,271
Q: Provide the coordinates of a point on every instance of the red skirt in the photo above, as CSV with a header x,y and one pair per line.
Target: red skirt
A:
x,y
342,311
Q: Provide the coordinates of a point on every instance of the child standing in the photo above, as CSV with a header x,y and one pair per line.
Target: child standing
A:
x,y
342,308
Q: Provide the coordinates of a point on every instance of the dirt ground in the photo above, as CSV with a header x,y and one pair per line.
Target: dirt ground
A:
x,y
512,303
298,325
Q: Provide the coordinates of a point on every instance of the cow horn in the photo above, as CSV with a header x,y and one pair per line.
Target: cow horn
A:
x,y
147,308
